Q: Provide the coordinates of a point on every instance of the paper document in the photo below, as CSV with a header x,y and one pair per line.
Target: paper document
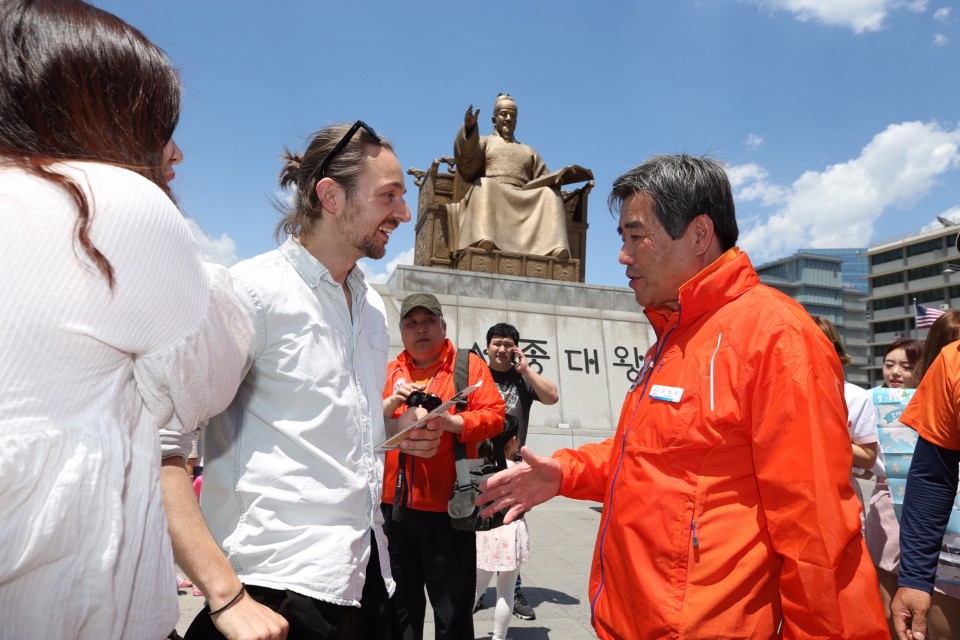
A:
x,y
392,443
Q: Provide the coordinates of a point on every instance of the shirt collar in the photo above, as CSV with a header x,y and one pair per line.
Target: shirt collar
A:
x,y
312,270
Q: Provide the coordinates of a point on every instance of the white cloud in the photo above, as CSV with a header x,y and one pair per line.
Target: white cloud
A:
x,y
942,14
221,251
837,207
940,40
753,141
858,15
381,277
749,182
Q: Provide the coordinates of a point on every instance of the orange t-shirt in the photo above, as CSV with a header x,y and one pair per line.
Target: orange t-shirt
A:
x,y
934,411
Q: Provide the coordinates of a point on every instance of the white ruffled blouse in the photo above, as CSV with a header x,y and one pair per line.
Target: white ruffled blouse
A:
x,y
87,376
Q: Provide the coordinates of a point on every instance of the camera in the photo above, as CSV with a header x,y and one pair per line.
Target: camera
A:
x,y
428,401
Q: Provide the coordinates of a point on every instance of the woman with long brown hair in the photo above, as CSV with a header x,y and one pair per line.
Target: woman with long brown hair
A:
x,y
110,324
903,365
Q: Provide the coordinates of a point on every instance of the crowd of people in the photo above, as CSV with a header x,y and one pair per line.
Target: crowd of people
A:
x,y
728,490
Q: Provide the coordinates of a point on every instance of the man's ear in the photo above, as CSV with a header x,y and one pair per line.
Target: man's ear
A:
x,y
703,235
329,195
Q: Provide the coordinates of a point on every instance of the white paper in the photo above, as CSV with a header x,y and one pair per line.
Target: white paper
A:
x,y
394,442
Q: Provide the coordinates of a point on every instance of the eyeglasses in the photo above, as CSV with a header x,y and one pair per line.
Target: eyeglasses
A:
x,y
344,141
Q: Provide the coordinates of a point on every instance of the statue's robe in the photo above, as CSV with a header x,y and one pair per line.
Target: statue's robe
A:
x,y
496,208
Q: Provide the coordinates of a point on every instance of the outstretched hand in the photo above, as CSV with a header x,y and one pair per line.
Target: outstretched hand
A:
x,y
909,612
521,487
470,119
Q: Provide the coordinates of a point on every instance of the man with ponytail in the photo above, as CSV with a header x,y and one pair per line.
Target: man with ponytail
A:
x,y
292,483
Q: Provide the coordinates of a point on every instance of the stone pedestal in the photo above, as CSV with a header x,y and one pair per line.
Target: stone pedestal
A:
x,y
590,340
518,264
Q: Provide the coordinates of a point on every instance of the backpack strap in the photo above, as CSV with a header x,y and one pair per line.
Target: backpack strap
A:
x,y
461,375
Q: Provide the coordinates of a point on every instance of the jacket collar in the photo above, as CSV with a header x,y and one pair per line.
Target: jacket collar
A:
x,y
446,357
726,279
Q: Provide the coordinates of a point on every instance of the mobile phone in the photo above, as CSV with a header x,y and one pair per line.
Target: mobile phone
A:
x,y
516,358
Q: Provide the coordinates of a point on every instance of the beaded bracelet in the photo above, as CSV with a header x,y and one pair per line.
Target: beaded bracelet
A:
x,y
234,600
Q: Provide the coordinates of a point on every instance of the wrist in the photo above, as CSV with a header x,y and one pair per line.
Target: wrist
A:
x,y
237,597
221,594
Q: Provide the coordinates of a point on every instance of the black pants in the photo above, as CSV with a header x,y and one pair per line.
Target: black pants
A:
x,y
425,551
313,619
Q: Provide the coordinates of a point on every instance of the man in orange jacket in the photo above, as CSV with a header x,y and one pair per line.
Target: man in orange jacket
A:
x,y
425,550
727,505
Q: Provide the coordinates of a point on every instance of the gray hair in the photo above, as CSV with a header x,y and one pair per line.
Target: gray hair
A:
x,y
682,187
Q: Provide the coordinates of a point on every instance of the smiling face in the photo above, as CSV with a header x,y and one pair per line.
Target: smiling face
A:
x,y
657,265
898,370
377,207
171,156
423,335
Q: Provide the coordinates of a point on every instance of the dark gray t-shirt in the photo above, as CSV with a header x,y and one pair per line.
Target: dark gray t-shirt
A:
x,y
517,395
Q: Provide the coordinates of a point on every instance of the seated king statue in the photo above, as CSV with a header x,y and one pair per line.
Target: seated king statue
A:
x,y
513,203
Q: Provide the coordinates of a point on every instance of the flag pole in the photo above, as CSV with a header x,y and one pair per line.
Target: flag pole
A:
x,y
915,319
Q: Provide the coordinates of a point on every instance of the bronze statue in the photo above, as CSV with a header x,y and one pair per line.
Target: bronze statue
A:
x,y
513,203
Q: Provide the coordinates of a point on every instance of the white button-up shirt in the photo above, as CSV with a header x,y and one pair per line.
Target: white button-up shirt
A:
x,y
291,483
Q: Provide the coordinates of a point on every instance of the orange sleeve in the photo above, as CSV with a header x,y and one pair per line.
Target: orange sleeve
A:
x,y
585,470
802,459
485,408
933,410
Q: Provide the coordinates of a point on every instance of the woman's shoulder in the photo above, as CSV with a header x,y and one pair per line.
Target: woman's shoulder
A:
x,y
103,179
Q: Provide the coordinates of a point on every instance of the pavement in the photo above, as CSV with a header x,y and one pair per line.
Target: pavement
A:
x,y
562,533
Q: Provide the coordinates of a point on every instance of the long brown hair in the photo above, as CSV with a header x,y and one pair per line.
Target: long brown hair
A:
x,y
300,173
943,331
830,330
78,83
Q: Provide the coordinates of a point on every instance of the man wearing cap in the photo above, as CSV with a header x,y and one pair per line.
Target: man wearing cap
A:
x,y
425,550
292,482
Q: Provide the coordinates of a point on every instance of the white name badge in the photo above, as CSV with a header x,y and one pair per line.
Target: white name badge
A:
x,y
669,394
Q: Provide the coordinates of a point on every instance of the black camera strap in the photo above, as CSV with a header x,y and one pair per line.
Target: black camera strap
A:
x,y
400,491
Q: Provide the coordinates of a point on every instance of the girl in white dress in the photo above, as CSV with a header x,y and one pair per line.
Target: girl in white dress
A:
x,y
111,326
502,550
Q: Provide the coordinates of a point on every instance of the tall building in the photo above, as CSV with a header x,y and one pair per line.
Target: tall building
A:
x,y
853,270
815,279
922,268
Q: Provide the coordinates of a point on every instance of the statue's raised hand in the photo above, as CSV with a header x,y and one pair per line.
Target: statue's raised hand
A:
x,y
470,118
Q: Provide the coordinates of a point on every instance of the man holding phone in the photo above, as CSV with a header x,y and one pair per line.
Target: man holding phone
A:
x,y
519,385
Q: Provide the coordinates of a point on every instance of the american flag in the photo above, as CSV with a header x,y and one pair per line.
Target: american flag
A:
x,y
926,316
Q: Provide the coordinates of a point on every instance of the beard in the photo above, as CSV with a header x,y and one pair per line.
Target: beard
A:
x,y
354,235
370,249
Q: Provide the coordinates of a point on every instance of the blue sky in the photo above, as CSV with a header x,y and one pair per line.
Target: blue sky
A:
x,y
839,120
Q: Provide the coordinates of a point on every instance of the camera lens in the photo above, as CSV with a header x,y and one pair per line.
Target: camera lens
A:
x,y
416,398
431,402
428,401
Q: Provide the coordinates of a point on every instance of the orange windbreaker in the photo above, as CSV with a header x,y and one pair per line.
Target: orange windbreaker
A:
x,y
727,505
431,479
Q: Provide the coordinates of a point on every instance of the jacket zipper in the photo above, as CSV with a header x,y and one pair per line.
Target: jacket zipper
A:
x,y
693,533
661,343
